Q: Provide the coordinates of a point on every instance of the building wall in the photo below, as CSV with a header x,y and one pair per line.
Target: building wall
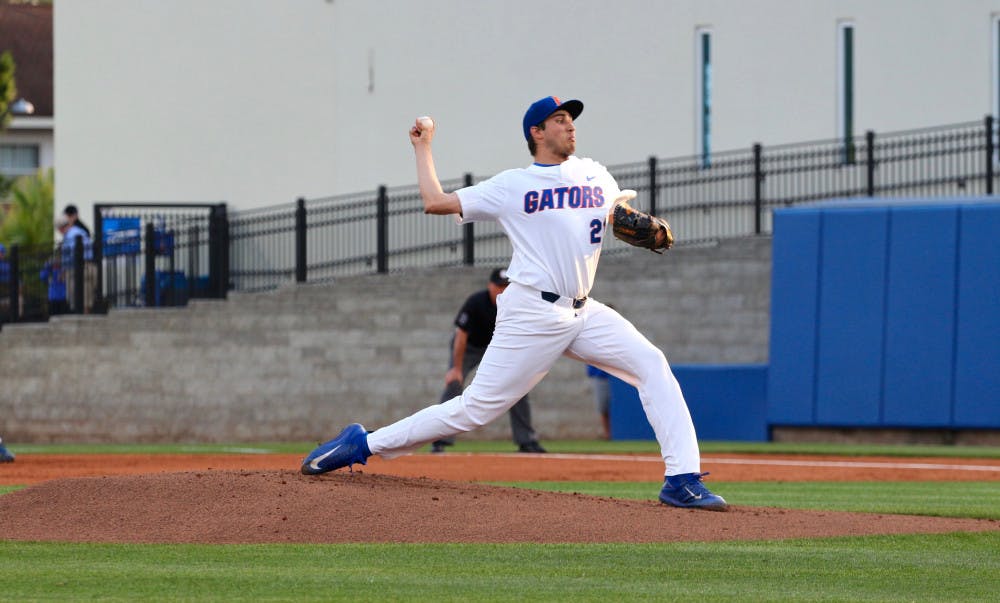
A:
x,y
192,101
257,102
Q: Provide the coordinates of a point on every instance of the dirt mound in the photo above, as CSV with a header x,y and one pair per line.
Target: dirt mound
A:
x,y
226,506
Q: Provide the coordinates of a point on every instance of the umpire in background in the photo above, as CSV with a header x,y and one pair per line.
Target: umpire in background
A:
x,y
473,331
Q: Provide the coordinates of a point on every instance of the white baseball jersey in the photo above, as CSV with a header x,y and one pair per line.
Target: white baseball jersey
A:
x,y
555,217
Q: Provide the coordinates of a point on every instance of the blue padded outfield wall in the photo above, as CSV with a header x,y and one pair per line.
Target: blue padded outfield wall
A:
x,y
727,402
886,313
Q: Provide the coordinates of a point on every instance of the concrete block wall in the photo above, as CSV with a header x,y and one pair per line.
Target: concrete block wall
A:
x,y
299,362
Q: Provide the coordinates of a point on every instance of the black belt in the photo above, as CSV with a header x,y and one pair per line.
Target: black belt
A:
x,y
554,297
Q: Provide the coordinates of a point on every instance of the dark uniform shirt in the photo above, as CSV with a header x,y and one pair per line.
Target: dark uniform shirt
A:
x,y
478,318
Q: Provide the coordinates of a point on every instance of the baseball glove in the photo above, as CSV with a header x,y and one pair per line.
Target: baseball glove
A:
x,y
638,228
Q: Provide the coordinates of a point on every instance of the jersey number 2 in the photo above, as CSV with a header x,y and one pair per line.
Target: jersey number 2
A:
x,y
595,230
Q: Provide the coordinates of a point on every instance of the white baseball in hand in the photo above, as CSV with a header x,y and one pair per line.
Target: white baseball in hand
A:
x,y
426,123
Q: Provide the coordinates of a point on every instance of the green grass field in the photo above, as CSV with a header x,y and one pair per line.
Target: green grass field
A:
x,y
951,567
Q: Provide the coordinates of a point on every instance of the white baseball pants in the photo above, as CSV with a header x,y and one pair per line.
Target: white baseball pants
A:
x,y
530,335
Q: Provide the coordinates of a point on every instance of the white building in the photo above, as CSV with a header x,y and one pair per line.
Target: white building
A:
x,y
257,102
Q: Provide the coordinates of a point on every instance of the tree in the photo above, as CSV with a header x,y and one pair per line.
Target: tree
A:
x,y
5,185
28,222
8,91
8,87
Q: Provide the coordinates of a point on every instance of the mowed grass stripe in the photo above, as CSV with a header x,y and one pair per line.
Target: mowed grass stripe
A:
x,y
957,567
976,500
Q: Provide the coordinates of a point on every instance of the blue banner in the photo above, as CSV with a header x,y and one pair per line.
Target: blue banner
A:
x,y
121,236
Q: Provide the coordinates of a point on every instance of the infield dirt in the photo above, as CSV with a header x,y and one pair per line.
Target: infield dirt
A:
x,y
425,498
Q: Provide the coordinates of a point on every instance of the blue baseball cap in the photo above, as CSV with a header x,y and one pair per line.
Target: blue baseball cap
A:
x,y
540,110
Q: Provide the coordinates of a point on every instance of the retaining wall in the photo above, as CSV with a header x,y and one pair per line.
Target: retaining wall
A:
x,y
299,362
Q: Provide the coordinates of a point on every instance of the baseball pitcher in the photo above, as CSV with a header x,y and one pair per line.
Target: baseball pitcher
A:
x,y
557,212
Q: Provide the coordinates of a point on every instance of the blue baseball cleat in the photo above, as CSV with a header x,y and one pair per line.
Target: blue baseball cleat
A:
x,y
687,491
349,447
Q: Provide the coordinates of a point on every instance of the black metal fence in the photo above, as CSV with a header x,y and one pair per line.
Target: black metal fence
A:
x,y
736,195
159,254
386,230
39,282
381,231
149,255
200,250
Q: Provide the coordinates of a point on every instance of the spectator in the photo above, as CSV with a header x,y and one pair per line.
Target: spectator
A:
x,y
70,233
474,327
52,275
73,215
4,266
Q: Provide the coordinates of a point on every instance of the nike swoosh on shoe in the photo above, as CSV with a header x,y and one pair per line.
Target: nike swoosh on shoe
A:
x,y
316,461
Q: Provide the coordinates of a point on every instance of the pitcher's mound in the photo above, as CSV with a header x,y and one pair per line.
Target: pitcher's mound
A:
x,y
284,506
